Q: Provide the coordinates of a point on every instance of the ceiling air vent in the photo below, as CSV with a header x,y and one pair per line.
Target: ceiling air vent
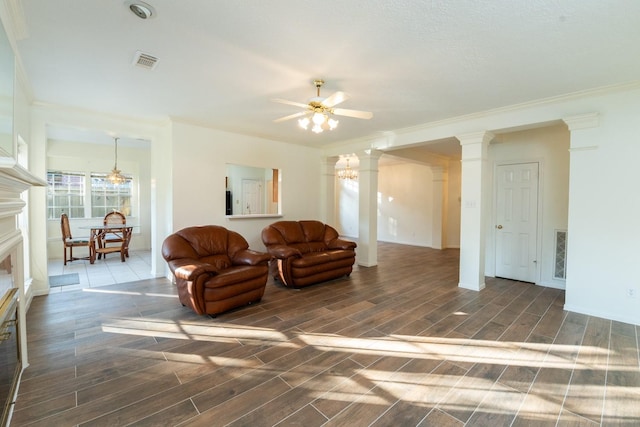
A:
x,y
145,60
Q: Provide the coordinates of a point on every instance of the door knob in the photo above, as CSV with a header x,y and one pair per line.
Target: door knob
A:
x,y
499,227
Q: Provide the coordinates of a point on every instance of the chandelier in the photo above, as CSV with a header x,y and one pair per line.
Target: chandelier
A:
x,y
115,177
320,120
347,172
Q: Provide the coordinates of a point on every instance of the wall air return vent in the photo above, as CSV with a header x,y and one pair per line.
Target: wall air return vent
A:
x,y
145,60
560,259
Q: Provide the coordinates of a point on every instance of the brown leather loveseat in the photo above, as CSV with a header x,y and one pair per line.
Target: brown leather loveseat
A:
x,y
307,252
214,268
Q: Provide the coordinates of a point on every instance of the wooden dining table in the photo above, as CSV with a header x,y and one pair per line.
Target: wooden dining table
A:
x,y
98,233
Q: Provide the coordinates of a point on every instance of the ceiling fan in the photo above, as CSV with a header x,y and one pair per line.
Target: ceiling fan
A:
x,y
319,111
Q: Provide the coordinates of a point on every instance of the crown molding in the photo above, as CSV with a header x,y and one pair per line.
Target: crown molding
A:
x,y
525,105
582,121
386,139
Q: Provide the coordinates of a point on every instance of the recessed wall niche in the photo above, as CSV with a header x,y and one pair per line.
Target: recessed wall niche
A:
x,y
252,191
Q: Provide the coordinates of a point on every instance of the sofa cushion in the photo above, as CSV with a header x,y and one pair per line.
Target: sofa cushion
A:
x,y
316,246
318,258
303,247
313,231
291,232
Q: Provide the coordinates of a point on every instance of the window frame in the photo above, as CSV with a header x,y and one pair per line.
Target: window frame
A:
x,y
110,190
88,194
55,210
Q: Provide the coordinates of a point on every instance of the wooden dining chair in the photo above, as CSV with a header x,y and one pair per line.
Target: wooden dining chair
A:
x,y
114,218
123,248
69,241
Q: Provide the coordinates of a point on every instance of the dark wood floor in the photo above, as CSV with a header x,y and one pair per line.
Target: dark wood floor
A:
x,y
394,345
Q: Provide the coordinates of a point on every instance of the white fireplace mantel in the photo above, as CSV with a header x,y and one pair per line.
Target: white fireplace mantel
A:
x,y
14,181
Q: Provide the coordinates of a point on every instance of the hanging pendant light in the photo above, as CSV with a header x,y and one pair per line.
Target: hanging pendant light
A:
x,y
115,177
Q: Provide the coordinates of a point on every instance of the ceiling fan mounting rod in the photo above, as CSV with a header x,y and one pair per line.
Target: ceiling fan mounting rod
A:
x,y
318,84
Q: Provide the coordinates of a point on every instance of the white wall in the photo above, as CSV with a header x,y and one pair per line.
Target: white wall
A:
x,y
347,208
548,146
200,156
405,200
87,158
604,231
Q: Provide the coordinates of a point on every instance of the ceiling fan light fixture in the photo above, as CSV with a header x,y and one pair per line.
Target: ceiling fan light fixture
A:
x,y
319,118
320,111
304,123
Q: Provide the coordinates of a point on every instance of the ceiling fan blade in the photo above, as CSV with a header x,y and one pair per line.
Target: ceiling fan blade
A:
x,y
297,104
353,113
335,99
292,116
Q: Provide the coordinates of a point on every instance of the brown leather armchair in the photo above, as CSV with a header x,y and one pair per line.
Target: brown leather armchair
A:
x,y
307,252
214,269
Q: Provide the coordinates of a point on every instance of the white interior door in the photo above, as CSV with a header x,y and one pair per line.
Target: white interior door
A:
x,y
252,197
517,221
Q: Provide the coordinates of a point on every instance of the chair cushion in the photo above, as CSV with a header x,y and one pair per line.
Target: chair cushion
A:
x,y
76,240
236,274
220,261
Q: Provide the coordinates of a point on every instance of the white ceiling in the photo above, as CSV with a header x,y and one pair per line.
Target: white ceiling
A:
x,y
409,62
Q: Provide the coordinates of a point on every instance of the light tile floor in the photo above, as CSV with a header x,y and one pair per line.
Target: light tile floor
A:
x,y
103,272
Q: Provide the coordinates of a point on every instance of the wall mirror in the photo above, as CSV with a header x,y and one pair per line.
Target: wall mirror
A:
x,y
6,95
252,191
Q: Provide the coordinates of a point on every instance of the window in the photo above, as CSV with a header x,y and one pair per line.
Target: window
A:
x,y
65,194
107,197
87,195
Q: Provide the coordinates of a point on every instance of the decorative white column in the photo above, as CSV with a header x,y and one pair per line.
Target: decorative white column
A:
x,y
474,210
328,189
439,209
367,251
583,295
38,205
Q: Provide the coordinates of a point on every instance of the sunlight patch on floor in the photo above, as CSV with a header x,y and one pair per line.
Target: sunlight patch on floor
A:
x,y
461,350
117,292
190,331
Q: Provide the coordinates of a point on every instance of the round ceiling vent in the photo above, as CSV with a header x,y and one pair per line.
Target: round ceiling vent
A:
x,y
141,9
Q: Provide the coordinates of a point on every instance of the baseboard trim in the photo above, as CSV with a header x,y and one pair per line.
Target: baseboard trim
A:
x,y
602,314
480,287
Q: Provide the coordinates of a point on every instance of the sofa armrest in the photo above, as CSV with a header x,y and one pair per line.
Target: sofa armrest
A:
x,y
250,257
284,252
341,244
189,269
